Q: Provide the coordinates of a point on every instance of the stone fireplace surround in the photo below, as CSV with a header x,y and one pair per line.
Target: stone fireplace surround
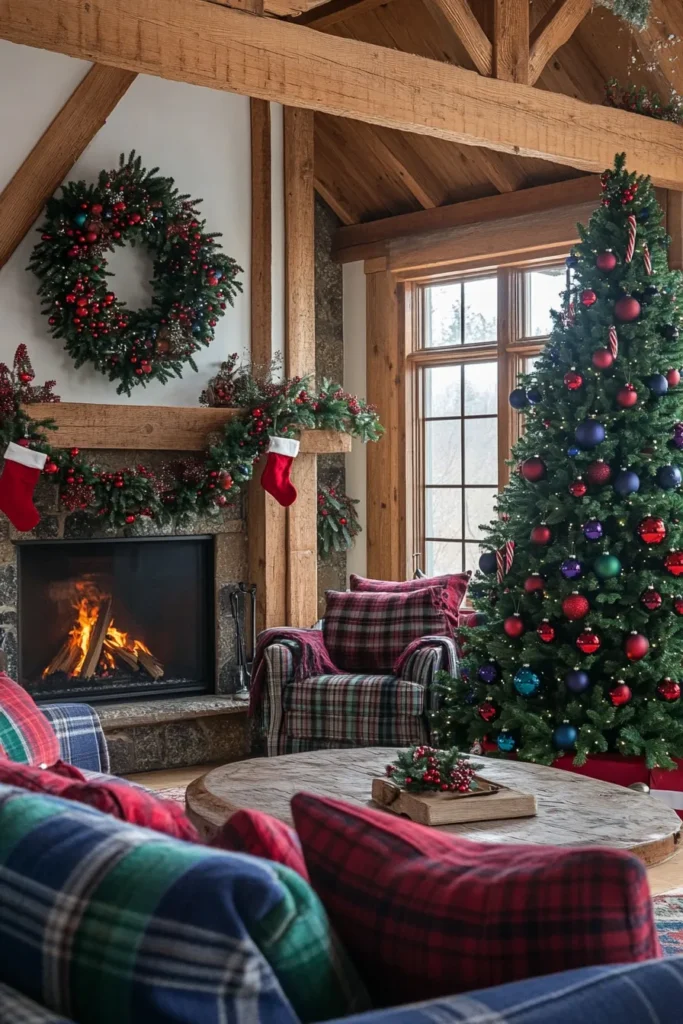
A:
x,y
149,734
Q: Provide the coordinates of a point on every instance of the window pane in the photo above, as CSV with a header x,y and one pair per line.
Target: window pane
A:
x,y
442,391
530,364
481,310
443,557
472,555
481,452
481,389
478,510
443,512
543,291
442,313
442,452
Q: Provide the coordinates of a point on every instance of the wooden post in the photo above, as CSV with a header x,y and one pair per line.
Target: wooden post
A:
x,y
302,540
511,40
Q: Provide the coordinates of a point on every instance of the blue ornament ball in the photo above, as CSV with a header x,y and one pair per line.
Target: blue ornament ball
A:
x,y
669,477
471,697
626,482
526,682
571,260
577,681
593,529
644,214
196,328
534,396
506,742
489,673
80,219
589,434
571,568
573,451
658,384
218,274
487,562
518,399
565,736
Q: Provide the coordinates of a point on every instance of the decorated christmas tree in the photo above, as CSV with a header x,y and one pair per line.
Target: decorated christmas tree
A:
x,y
582,580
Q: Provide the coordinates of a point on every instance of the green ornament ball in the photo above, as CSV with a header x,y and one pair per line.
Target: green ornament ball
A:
x,y
607,567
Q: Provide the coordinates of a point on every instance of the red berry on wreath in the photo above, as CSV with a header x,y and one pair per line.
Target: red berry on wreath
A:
x,y
636,646
26,377
96,209
343,521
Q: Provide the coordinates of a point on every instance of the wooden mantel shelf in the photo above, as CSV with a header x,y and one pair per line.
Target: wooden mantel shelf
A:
x,y
156,427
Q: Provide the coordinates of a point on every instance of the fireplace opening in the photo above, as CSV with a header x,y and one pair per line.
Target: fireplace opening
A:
x,y
108,619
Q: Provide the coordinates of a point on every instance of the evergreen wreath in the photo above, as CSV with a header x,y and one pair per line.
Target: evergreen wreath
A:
x,y
337,521
193,280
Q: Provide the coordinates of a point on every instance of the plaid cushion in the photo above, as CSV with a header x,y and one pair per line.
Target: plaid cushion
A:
x,y
456,588
36,780
107,923
425,913
367,632
367,711
17,1009
648,993
26,735
81,740
262,836
134,804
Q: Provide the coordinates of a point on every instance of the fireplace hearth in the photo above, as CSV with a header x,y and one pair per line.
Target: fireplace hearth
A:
x,y
113,619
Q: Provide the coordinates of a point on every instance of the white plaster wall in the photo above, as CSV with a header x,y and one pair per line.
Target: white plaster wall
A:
x,y
198,136
355,381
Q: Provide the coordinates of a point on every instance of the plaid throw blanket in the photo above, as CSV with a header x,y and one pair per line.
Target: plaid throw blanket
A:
x,y
447,653
312,658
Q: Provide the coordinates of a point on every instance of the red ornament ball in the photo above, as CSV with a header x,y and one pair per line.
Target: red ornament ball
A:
x,y
673,377
588,642
588,297
130,518
573,380
513,625
598,473
541,534
51,468
25,377
673,563
606,261
627,396
534,584
652,530
545,632
575,607
651,599
74,452
668,690
578,488
602,359
636,646
678,604
627,309
533,469
487,711
620,694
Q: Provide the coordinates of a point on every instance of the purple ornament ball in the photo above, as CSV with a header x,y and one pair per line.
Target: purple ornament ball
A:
x,y
593,529
571,568
488,673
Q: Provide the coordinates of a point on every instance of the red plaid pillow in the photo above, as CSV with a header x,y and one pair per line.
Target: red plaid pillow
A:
x,y
38,780
135,805
262,836
26,736
425,914
456,584
367,632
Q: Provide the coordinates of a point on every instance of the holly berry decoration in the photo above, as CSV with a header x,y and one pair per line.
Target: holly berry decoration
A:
x,y
606,261
673,378
534,584
620,694
545,631
573,380
588,642
598,473
541,534
533,469
652,599
673,563
627,309
588,297
627,396
652,530
578,488
668,690
678,604
514,626
636,646
602,359
487,711
575,607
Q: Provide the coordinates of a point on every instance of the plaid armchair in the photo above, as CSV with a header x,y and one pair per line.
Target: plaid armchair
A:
x,y
350,710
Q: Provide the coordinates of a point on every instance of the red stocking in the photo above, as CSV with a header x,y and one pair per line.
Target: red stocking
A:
x,y
276,476
19,477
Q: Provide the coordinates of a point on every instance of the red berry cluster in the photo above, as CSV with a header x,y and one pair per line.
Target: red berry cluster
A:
x,y
429,769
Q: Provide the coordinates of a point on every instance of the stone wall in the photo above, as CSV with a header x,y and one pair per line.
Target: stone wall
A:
x,y
329,356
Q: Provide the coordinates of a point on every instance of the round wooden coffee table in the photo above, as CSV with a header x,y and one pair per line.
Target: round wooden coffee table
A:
x,y
572,810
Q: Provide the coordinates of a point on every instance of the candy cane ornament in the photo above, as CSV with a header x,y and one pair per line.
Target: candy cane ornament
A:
x,y
647,260
631,246
613,342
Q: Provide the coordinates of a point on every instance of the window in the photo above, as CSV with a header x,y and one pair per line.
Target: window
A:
x,y
475,334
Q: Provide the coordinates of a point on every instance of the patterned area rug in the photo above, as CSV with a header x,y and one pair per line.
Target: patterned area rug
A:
x,y
669,919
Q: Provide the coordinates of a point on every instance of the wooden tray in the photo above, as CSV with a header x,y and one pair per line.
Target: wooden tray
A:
x,y
489,803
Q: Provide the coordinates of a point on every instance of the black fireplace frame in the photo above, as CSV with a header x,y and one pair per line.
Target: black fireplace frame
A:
x,y
151,692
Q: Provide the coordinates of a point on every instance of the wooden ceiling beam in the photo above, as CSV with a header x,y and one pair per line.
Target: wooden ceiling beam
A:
x,y
337,11
511,40
462,20
335,202
502,172
220,48
554,29
396,152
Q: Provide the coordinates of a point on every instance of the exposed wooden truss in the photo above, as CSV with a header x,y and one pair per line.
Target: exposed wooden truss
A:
x,y
511,40
462,20
553,31
337,11
221,48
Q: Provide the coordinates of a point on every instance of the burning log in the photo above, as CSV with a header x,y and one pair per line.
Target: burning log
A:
x,y
97,637
128,658
65,660
150,664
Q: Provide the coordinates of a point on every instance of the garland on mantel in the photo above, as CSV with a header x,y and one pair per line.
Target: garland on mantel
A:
x,y
640,100
185,487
